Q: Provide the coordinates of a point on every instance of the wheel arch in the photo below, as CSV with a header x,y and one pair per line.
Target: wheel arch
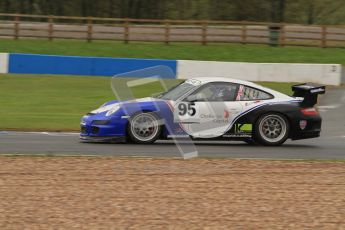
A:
x,y
287,111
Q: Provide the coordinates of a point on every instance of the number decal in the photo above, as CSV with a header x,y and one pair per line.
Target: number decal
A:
x,y
182,108
191,109
186,112
185,108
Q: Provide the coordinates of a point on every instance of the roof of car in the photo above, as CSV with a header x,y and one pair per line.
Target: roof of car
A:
x,y
204,80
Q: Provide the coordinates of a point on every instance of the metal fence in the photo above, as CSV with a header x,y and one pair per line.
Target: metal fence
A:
x,y
18,26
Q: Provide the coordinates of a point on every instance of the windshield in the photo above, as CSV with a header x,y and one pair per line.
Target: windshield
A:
x,y
177,91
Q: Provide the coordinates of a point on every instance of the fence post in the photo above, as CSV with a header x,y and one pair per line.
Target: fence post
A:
x,y
282,35
324,37
16,27
204,33
89,29
126,31
50,27
244,34
167,32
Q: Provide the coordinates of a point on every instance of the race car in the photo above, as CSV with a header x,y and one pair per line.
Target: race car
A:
x,y
209,109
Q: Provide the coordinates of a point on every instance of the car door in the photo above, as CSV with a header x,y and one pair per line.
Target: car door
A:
x,y
210,110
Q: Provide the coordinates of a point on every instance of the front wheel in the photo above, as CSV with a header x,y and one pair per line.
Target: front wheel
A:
x,y
271,129
144,128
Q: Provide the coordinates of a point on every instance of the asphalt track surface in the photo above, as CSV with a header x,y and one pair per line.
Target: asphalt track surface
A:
x,y
331,145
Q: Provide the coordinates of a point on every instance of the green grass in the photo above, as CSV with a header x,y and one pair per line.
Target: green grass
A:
x,y
187,51
56,103
30,102
281,87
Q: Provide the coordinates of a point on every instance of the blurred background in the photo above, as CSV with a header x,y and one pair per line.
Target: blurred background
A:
x,y
290,11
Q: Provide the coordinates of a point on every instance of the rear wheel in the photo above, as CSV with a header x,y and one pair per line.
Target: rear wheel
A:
x,y
144,128
271,129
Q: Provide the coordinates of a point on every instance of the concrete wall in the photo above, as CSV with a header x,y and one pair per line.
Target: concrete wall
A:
x,y
329,74
3,63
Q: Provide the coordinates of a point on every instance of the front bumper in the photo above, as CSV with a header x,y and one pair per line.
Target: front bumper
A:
x,y
89,139
102,129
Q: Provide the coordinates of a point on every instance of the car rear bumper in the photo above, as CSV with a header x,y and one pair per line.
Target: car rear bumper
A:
x,y
306,135
311,130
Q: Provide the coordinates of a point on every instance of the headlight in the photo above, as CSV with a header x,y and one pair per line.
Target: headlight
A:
x,y
113,110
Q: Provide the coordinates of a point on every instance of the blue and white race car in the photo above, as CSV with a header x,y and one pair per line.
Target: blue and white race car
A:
x,y
209,108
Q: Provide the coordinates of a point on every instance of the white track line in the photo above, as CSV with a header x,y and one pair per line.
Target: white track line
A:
x,y
55,134
326,108
40,133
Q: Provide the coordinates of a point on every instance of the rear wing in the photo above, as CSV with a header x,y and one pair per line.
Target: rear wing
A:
x,y
309,92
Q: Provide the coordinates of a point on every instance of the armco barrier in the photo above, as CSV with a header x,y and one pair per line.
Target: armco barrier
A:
x,y
329,74
73,65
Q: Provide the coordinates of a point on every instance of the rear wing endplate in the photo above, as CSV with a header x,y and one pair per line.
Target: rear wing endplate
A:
x,y
309,92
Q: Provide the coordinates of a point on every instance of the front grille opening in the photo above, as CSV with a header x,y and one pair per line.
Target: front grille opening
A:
x,y
83,130
94,130
100,122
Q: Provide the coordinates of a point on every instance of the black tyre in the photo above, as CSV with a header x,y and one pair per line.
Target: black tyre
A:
x,y
144,128
271,129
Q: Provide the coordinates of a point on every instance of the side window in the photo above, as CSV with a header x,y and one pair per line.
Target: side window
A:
x,y
220,91
246,93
